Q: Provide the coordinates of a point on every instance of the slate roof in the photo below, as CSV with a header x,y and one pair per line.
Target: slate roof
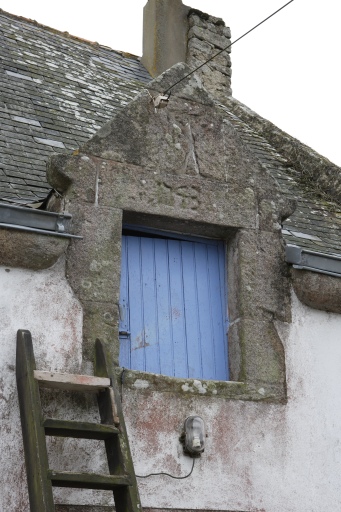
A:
x,y
316,223
57,90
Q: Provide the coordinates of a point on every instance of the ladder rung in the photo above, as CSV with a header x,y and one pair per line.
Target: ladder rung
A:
x,y
71,382
79,429
88,480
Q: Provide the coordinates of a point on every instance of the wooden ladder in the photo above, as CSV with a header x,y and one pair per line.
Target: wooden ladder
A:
x,y
121,478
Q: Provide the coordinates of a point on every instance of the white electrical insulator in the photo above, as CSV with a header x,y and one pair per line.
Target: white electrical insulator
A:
x,y
160,101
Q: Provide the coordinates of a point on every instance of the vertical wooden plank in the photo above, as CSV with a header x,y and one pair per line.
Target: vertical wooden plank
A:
x,y
39,487
163,305
224,299
136,302
124,324
218,321
118,451
191,304
205,315
177,309
150,316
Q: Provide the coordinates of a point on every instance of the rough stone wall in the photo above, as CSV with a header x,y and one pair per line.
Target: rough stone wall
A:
x,y
181,169
207,36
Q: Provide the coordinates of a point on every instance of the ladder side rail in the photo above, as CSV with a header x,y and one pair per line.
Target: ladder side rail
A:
x,y
39,486
118,450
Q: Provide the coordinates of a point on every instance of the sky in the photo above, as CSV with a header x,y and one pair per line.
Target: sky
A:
x,y
287,70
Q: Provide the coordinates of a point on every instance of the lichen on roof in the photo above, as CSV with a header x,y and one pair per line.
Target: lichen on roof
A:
x,y
56,91
316,222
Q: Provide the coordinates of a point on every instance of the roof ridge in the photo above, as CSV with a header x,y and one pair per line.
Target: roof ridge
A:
x,y
66,34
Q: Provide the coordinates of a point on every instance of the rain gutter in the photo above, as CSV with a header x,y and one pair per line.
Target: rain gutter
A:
x,y
303,259
36,221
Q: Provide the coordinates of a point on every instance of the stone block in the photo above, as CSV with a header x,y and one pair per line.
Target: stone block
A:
x,y
209,22
258,280
318,291
124,135
94,261
75,174
259,359
100,321
30,250
180,197
219,41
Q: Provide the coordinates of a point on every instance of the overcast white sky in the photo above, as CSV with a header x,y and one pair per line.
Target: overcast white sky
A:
x,y
288,70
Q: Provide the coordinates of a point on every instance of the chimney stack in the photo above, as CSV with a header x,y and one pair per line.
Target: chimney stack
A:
x,y
165,28
173,32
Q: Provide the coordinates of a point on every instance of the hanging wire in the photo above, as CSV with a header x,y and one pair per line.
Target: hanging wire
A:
x,y
229,46
167,474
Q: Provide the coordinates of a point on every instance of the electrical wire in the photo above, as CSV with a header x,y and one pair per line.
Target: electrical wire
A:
x,y
167,474
229,46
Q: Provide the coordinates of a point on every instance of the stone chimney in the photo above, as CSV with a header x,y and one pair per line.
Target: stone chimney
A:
x,y
173,32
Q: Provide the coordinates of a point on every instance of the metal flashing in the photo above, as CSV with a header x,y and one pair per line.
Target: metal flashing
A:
x,y
304,259
38,221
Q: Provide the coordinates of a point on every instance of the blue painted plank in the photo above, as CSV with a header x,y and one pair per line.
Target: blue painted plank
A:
x,y
177,309
150,313
205,314
124,323
175,294
218,321
136,302
191,300
163,305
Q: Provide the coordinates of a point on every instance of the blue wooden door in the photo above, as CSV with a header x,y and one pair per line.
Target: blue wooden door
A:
x,y
173,317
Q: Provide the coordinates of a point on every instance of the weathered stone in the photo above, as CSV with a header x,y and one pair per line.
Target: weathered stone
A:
x,y
178,197
93,262
220,42
259,277
200,51
184,168
123,135
273,211
262,361
209,22
76,173
57,172
318,291
100,321
190,89
30,250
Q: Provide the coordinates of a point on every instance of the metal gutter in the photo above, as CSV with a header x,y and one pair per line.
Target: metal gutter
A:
x,y
304,259
36,221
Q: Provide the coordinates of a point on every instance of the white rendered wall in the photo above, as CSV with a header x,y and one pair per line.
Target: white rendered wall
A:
x,y
43,303
259,457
